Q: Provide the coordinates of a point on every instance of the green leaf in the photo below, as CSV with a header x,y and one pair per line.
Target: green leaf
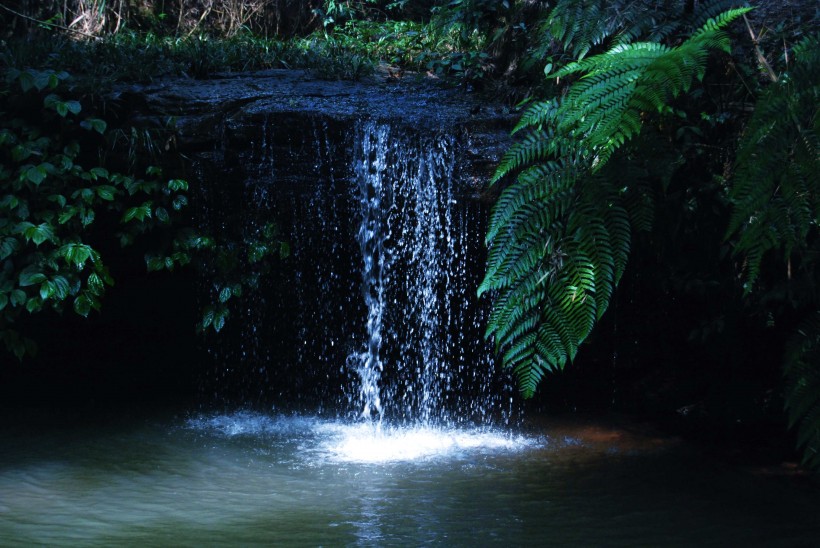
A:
x,y
162,215
219,320
175,185
46,290
106,192
94,124
58,199
39,233
154,263
139,213
74,107
9,201
87,216
207,318
35,174
7,137
72,149
62,287
55,102
30,277
8,245
42,79
99,173
95,284
179,202
54,78
18,297
76,255
82,305
26,79
256,252
20,153
34,304
4,300
87,195
66,215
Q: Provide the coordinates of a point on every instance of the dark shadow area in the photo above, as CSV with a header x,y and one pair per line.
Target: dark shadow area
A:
x,y
141,349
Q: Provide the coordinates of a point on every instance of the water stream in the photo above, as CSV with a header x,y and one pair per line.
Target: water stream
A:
x,y
374,316
413,281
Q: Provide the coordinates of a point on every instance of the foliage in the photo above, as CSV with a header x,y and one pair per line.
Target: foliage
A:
x,y
559,236
775,192
572,29
49,200
226,18
56,213
128,56
470,34
776,207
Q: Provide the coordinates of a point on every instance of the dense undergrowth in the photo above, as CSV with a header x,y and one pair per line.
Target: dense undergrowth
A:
x,y
346,50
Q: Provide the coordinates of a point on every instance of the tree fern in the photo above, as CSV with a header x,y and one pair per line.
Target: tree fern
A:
x,y
775,191
578,27
604,107
559,236
776,207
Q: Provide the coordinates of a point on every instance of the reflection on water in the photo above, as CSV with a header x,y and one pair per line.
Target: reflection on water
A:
x,y
366,442
250,479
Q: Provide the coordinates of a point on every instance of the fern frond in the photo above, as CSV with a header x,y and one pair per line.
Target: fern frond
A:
x,y
775,193
538,115
713,10
533,147
720,20
559,236
529,372
604,107
581,25
538,183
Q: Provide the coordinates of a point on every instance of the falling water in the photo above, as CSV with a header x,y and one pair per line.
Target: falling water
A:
x,y
413,277
375,314
372,234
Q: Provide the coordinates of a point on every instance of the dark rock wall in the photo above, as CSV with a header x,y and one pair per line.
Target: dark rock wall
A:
x,y
277,146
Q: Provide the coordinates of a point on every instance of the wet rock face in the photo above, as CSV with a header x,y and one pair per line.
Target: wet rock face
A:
x,y
232,113
378,188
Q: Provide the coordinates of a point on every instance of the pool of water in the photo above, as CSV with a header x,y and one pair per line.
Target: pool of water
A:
x,y
255,479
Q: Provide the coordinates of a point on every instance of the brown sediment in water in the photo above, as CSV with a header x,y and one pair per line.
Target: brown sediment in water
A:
x,y
584,438
611,434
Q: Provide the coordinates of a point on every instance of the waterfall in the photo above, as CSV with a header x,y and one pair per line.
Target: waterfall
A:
x,y
370,171
375,312
414,283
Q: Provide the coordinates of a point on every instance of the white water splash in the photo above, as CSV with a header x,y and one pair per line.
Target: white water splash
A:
x,y
375,444
322,440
